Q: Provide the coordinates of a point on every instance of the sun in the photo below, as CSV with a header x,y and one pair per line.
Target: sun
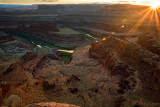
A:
x,y
154,5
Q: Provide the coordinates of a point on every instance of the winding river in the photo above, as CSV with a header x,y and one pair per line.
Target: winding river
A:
x,y
39,43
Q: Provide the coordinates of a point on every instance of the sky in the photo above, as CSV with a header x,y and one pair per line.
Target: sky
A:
x,y
143,2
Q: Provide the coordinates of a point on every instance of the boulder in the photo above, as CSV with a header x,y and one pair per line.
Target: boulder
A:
x,y
14,101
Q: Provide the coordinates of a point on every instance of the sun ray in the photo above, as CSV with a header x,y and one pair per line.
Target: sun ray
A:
x,y
151,19
146,10
158,10
157,23
139,23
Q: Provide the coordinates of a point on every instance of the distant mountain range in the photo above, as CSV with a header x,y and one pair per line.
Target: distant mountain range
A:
x,y
17,7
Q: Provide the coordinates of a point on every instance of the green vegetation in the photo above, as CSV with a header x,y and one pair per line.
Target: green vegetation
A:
x,y
6,103
37,41
92,39
67,57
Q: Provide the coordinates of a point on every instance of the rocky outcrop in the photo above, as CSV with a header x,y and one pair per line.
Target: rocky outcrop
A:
x,y
115,65
85,81
150,43
127,60
50,104
26,67
57,55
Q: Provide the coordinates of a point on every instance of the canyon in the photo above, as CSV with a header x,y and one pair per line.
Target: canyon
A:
x,y
83,55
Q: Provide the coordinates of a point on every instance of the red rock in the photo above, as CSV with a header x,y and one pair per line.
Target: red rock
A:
x,y
25,68
119,56
4,89
150,43
50,104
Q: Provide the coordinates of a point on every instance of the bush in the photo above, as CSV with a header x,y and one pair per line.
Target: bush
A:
x,y
67,57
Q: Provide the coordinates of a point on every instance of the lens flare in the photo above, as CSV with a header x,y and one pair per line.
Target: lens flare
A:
x,y
155,5
151,13
103,38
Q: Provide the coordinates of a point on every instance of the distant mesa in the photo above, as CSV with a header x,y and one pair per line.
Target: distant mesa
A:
x,y
5,38
43,27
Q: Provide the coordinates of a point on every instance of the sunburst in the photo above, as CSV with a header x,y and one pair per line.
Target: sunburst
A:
x,y
152,12
154,5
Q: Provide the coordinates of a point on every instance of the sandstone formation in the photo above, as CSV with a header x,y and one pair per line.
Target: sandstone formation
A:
x,y
132,63
110,73
50,104
87,82
25,68
150,43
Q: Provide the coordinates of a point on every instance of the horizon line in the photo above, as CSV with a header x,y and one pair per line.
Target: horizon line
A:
x,y
71,3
